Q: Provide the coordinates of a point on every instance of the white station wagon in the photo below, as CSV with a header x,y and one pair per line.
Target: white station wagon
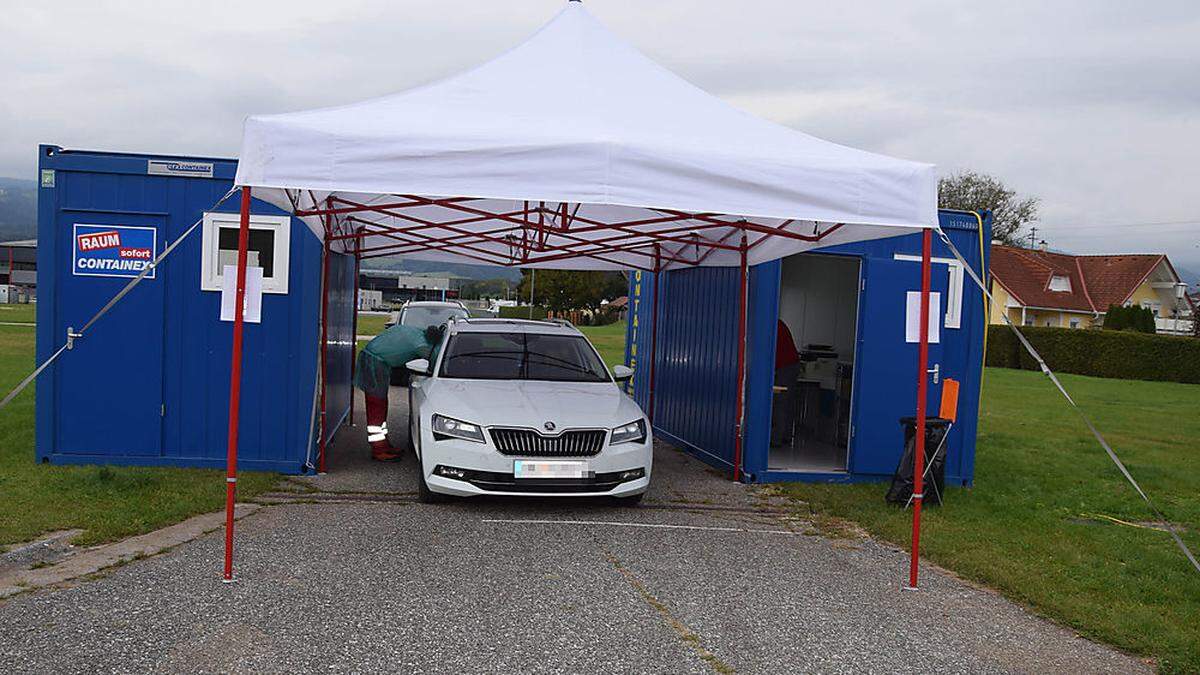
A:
x,y
514,407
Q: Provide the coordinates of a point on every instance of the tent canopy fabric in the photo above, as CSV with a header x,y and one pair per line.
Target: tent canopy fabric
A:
x,y
574,150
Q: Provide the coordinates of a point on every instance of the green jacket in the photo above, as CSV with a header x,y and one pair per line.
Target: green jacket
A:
x,y
390,349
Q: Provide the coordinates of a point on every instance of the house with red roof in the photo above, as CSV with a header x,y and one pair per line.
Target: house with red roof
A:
x,y
1046,288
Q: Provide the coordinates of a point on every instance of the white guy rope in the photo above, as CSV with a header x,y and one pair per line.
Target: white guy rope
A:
x,y
1088,422
73,335
317,384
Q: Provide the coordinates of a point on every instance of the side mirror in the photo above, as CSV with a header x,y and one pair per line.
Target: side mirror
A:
x,y
622,373
418,366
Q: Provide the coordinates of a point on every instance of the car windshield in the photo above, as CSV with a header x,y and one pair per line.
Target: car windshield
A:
x,y
522,356
423,317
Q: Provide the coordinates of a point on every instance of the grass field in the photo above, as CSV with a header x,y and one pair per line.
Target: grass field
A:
x,y
106,502
1052,523
371,324
18,313
609,341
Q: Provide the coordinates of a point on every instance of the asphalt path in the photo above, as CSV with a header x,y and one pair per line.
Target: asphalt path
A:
x,y
346,572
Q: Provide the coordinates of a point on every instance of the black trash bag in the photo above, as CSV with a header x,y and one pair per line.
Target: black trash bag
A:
x,y
935,477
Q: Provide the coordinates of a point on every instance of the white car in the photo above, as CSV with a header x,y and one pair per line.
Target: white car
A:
x,y
423,313
515,407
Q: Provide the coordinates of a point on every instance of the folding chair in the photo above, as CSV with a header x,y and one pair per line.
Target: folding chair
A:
x,y
947,411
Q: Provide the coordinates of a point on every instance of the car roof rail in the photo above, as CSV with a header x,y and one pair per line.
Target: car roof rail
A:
x,y
561,322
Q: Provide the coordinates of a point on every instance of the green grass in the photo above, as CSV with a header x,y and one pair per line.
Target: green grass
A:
x,y
1035,527
609,341
18,313
371,324
107,502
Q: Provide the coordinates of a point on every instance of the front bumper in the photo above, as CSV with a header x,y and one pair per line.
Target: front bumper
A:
x,y
490,473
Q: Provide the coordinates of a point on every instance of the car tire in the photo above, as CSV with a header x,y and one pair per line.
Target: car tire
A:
x,y
412,439
631,500
424,494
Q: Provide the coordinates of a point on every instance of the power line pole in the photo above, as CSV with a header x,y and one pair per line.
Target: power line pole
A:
x,y
532,281
1033,237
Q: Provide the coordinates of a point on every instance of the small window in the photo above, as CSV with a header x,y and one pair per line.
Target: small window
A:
x,y
1060,283
267,247
1074,323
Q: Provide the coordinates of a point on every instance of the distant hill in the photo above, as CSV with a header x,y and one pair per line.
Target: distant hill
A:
x,y
18,209
1188,275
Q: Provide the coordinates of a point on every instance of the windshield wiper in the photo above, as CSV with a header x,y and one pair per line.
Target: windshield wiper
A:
x,y
566,365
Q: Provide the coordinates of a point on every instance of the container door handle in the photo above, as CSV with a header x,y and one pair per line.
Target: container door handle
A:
x,y
936,371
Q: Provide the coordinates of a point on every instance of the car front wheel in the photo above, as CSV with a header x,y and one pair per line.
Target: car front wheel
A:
x,y
424,494
631,500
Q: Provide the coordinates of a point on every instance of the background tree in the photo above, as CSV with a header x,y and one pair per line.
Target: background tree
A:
x,y
971,191
487,288
1139,319
561,290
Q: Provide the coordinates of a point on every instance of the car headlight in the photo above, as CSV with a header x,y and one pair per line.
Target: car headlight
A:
x,y
628,433
448,427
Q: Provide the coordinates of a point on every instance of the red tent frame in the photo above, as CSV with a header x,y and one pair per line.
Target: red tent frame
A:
x,y
533,237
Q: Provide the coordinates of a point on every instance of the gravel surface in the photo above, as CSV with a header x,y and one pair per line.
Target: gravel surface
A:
x,y
509,585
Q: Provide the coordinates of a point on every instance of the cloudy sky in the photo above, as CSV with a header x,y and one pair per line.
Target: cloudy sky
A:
x,y
1091,105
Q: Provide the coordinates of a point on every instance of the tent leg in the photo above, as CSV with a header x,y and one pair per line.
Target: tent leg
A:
x,y
740,407
354,322
922,395
321,442
235,384
654,329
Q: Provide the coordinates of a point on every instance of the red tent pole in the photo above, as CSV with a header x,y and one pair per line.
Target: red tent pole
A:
x,y
354,321
321,442
654,326
740,428
922,389
235,384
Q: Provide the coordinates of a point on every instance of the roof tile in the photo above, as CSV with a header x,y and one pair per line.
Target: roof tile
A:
x,y
1097,281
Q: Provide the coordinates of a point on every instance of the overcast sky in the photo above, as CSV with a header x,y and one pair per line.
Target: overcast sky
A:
x,y
1094,106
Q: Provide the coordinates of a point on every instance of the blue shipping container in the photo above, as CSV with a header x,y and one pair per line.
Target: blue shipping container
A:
x,y
149,383
859,314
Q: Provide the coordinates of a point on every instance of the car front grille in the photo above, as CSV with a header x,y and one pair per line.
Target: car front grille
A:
x,y
529,443
491,481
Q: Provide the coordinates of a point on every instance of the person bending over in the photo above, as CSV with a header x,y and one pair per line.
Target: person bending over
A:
x,y
390,349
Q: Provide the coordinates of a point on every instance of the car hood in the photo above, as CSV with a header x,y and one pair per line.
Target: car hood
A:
x,y
527,403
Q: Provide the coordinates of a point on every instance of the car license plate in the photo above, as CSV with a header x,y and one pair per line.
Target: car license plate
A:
x,y
560,469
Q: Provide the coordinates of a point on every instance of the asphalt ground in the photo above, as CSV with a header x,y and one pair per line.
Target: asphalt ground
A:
x,y
705,576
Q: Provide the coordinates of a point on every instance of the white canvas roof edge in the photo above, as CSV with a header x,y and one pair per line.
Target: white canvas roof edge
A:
x,y
895,188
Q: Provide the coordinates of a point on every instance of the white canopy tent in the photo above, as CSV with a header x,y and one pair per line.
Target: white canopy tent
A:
x,y
573,151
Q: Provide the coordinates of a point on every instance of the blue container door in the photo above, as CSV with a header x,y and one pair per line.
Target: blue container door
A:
x,y
109,387
886,369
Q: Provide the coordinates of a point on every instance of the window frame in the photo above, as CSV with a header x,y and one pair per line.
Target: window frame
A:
x,y
1064,279
954,286
281,226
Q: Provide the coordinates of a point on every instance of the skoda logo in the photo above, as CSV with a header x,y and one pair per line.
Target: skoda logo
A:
x,y
548,426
